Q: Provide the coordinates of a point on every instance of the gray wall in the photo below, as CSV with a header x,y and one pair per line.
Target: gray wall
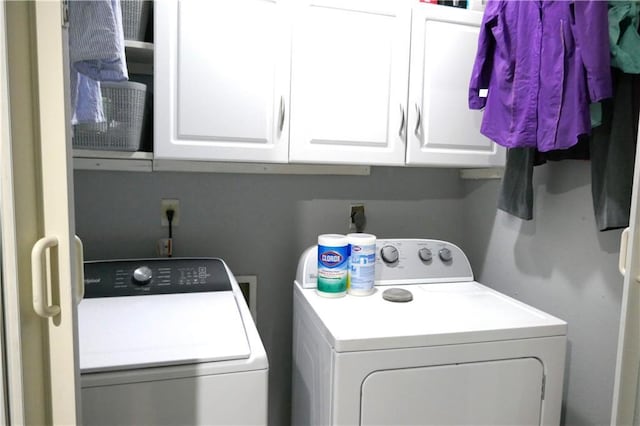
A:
x,y
561,264
260,224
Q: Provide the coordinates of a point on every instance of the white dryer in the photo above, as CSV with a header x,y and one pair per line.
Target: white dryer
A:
x,y
169,342
457,353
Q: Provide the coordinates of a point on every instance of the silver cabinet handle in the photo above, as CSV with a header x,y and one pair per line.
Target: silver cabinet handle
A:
x,y
418,119
38,281
402,120
282,112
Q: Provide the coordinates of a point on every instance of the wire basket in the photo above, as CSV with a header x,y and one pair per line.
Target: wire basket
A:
x,y
124,110
135,15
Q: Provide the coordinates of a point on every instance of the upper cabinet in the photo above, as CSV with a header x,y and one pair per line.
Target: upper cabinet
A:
x,y
373,85
349,80
222,80
371,82
443,131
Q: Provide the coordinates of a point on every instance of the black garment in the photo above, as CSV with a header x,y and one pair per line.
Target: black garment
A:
x,y
611,148
516,193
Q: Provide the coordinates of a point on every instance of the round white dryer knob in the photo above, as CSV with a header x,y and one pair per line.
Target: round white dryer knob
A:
x,y
425,254
389,254
445,254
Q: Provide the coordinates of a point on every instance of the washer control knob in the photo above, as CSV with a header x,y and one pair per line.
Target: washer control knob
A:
x,y
425,254
445,254
389,254
142,275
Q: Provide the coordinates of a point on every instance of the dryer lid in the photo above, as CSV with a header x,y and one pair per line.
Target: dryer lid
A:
x,y
439,314
118,333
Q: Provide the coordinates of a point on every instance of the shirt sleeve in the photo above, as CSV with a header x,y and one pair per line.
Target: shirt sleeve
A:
x,y
480,75
591,34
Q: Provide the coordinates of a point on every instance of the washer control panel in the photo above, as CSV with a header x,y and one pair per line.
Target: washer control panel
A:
x,y
403,261
154,276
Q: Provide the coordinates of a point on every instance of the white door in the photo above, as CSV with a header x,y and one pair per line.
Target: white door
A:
x,y
442,130
349,75
222,80
625,392
37,218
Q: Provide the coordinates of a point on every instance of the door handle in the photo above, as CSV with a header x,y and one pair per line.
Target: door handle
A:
x,y
622,257
402,120
79,269
418,119
38,282
282,114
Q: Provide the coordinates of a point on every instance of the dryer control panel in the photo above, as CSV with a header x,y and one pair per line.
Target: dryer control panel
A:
x,y
403,261
154,276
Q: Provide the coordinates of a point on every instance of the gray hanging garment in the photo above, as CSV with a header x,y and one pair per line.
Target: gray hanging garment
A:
x,y
613,147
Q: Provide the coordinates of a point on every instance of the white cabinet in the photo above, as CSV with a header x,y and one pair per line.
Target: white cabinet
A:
x,y
369,82
222,80
350,69
442,130
359,96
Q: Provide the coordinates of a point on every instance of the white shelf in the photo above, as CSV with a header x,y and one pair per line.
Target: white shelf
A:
x,y
258,168
138,51
139,56
84,159
122,155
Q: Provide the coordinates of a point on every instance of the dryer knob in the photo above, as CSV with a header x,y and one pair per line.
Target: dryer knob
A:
x,y
142,275
445,254
425,254
389,254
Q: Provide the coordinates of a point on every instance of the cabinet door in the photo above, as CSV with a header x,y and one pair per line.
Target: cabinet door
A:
x,y
350,61
222,80
443,131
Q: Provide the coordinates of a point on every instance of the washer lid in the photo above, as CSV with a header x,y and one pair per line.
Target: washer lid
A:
x,y
118,333
439,314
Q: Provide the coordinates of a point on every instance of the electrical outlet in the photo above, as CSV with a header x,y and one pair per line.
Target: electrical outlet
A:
x,y
356,218
169,204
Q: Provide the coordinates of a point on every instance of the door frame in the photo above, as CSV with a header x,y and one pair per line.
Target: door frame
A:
x,y
625,390
37,202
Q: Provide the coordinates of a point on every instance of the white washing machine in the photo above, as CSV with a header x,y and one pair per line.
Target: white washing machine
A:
x,y
448,351
169,342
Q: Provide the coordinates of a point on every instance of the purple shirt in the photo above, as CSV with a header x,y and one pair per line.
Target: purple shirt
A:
x,y
543,63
